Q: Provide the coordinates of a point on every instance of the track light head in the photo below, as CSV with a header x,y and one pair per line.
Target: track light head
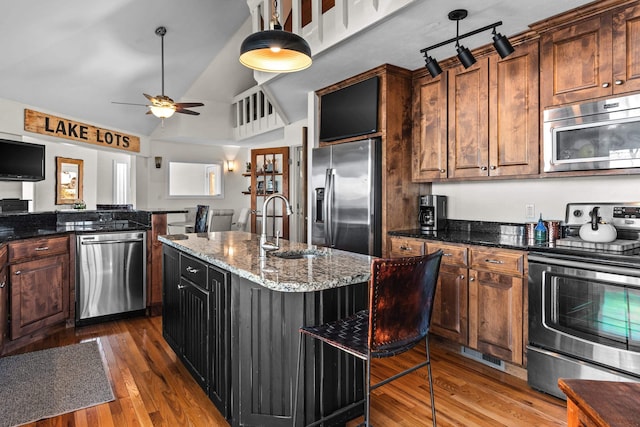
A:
x,y
501,44
465,56
432,65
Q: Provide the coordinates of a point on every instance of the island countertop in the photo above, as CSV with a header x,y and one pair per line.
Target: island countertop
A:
x,y
238,252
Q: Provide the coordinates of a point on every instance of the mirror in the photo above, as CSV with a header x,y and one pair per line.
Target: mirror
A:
x,y
68,181
195,179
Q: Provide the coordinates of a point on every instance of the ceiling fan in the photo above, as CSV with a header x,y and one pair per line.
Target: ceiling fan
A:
x,y
162,106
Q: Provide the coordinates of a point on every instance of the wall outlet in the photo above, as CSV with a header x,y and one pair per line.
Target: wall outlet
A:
x,y
530,211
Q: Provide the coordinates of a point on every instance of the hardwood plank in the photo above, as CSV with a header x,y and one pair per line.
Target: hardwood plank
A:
x,y
153,388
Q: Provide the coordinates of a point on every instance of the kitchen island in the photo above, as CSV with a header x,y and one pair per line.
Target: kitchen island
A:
x,y
233,320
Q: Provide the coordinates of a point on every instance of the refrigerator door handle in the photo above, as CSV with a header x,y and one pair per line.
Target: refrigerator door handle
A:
x,y
328,208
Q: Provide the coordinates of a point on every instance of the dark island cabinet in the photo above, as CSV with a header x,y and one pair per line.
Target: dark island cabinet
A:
x,y
239,340
195,321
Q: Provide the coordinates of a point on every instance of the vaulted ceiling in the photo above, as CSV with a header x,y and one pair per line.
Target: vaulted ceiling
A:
x,y
74,57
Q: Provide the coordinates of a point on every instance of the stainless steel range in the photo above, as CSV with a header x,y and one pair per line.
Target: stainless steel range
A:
x,y
584,302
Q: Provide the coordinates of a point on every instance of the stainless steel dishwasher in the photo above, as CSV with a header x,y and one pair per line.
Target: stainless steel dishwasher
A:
x,y
111,273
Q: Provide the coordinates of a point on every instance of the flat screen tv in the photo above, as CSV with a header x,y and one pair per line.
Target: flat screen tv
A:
x,y
21,161
350,111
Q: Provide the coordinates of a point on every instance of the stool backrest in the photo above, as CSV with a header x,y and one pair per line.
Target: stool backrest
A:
x,y
401,294
202,214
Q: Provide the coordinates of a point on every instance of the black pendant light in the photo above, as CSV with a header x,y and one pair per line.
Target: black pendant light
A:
x,y
464,55
275,50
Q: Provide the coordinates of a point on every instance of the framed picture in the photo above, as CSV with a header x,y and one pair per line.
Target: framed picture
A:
x,y
68,181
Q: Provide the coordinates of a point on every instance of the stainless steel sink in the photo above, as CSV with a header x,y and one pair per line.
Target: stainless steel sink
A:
x,y
298,254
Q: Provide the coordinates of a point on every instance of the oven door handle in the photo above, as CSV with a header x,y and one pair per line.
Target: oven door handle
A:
x,y
571,263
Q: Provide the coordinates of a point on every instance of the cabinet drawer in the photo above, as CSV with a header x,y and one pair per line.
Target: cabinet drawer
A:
x,y
406,247
452,255
38,248
194,270
497,260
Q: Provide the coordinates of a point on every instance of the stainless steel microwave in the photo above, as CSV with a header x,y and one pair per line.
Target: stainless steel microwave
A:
x,y
601,134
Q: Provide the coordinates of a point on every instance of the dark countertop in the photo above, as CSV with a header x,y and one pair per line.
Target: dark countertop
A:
x,y
481,238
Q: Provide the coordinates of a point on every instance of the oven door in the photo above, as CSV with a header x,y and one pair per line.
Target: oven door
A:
x,y
587,311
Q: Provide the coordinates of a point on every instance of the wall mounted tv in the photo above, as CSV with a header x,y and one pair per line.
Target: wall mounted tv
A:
x,y
350,111
21,161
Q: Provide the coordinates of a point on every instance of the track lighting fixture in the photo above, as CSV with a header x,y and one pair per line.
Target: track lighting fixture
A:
x,y
500,43
432,65
275,50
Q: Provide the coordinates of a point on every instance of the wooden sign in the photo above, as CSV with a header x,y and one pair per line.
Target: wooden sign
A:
x,y
47,124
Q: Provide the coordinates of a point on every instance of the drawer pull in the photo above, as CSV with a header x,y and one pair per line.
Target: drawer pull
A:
x,y
494,261
192,270
447,254
43,248
19,272
618,82
405,248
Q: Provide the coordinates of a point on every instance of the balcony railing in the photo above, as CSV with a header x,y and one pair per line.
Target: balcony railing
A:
x,y
254,114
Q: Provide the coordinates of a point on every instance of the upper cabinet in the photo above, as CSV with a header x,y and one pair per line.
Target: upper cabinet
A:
x,y
482,121
595,57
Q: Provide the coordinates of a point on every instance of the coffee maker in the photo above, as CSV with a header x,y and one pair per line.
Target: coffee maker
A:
x,y
432,212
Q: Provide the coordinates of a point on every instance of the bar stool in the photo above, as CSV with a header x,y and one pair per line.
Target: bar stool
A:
x,y
401,293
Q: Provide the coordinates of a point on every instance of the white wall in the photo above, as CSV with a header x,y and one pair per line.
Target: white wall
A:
x,y
504,201
153,183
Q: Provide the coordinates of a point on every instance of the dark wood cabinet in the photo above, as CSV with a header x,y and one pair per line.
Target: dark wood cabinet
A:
x,y
450,309
39,294
496,304
592,58
429,147
40,284
195,321
4,297
481,121
494,116
154,263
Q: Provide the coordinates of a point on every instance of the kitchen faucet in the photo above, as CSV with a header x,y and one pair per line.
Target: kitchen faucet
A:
x,y
264,245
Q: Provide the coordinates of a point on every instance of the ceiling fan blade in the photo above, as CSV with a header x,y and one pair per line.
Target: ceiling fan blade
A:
x,y
189,104
151,98
183,111
129,103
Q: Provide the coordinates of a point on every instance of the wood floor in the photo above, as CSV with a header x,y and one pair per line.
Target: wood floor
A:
x,y
153,388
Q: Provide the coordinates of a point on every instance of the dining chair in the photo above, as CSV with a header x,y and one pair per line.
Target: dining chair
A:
x,y
202,215
401,294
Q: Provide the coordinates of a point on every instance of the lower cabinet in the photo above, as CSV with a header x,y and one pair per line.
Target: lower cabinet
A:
x,y
39,283
195,321
479,300
4,296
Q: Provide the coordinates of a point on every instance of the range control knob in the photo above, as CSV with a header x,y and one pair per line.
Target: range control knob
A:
x,y
577,213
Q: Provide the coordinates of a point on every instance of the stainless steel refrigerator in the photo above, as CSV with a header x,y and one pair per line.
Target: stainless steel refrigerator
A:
x,y
346,181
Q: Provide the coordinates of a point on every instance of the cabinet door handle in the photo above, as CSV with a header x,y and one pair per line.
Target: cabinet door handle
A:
x,y
472,279
3,284
618,82
493,168
181,286
19,272
192,270
494,261
484,168
43,248
443,170
462,277
605,84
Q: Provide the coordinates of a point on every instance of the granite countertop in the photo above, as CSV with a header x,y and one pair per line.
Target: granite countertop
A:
x,y
481,238
238,252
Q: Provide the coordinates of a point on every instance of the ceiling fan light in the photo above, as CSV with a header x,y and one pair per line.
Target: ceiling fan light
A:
x,y
275,51
162,112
